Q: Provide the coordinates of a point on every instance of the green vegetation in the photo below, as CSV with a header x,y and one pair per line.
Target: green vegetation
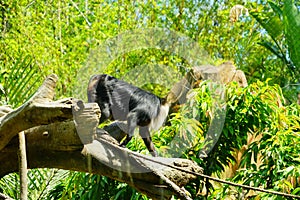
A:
x,y
42,37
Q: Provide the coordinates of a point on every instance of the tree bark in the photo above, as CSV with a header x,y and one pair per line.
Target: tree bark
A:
x,y
23,166
63,134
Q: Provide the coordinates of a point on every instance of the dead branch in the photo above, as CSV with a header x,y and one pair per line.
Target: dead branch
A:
x,y
56,132
23,166
39,110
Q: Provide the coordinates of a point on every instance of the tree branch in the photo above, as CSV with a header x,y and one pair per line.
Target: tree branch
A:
x,y
56,133
37,111
23,166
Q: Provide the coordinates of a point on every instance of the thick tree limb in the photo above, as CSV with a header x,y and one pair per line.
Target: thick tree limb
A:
x,y
37,111
52,142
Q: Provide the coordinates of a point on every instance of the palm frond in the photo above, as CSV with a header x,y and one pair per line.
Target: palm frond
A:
x,y
21,81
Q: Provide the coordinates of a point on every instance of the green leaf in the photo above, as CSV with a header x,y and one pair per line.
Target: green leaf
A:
x,y
273,48
296,191
275,8
292,30
270,22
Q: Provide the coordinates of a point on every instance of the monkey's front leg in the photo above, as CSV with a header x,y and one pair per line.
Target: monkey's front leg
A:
x,y
145,134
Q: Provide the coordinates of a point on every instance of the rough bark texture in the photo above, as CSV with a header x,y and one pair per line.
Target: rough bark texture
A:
x,y
56,135
223,74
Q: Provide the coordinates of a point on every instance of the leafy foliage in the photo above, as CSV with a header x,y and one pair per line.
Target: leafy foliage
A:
x,y
85,186
282,26
19,81
41,181
272,161
42,37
